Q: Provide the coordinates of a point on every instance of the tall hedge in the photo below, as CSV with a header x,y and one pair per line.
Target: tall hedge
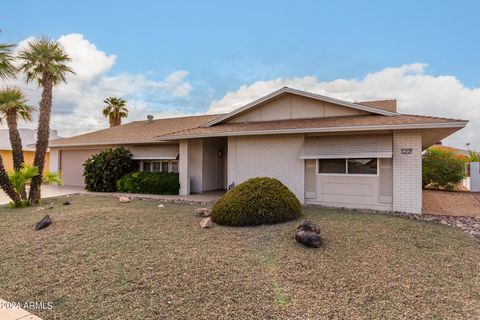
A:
x,y
150,183
102,170
442,169
257,201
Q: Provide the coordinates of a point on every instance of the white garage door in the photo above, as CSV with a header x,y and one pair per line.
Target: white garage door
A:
x,y
71,165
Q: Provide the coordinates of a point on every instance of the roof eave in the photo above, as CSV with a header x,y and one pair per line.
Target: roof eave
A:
x,y
88,144
300,93
457,124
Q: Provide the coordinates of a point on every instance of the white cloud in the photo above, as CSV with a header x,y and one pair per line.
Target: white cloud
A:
x,y
416,91
77,105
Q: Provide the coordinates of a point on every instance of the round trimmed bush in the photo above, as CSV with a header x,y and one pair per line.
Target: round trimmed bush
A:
x,y
257,201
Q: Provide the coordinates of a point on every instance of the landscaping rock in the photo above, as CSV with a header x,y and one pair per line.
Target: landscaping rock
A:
x,y
206,223
161,205
308,234
45,222
124,199
203,212
66,203
308,238
309,226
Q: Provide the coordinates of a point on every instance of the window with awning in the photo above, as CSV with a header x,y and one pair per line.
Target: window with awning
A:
x,y
354,146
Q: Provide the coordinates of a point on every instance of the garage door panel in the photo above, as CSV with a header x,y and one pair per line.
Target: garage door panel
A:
x,y
71,165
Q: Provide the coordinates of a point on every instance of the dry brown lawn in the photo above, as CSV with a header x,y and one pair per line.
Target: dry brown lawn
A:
x,y
105,260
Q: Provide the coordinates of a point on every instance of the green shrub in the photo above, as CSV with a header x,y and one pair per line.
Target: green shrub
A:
x,y
149,182
102,170
442,170
257,201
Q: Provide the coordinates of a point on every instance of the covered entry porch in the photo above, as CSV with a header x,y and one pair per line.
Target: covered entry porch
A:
x,y
202,165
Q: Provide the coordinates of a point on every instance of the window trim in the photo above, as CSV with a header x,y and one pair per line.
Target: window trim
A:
x,y
346,174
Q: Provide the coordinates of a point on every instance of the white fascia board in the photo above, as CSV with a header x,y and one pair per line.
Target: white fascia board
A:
x,y
329,129
300,93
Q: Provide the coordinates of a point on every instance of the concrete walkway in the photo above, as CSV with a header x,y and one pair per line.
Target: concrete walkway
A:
x,y
49,191
10,311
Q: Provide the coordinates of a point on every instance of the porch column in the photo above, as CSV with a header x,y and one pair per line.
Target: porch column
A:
x,y
407,171
183,168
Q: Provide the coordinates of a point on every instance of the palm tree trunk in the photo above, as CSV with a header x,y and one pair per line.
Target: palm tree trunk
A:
x,y
17,149
43,134
7,185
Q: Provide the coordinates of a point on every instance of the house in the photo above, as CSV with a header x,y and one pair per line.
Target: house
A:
x,y
327,151
29,138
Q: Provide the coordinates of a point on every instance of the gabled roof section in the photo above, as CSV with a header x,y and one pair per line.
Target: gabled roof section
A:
x,y
285,90
314,125
135,132
389,105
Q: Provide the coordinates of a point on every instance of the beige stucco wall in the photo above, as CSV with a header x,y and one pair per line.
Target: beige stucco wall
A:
x,y
407,171
267,156
294,107
71,165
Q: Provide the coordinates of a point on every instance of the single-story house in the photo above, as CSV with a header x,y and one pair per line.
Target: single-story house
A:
x,y
327,151
29,138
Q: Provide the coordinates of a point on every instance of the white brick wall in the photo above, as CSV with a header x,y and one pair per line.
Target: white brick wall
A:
x,y
407,172
267,156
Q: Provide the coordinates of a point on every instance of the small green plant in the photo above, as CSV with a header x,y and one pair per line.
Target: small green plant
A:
x,y
257,201
442,170
24,176
149,183
473,156
102,170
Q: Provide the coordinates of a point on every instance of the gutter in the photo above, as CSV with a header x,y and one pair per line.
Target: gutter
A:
x,y
459,124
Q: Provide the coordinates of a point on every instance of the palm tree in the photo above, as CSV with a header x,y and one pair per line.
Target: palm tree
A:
x,y
44,62
13,107
115,110
7,70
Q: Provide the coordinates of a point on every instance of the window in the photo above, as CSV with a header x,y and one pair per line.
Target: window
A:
x,y
366,166
159,166
156,166
146,166
331,166
362,166
164,166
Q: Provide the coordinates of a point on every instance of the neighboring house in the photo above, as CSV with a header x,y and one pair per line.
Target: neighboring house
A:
x,y
327,151
459,153
29,138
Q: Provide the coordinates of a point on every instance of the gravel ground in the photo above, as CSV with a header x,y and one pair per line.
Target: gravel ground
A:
x,y
452,203
104,260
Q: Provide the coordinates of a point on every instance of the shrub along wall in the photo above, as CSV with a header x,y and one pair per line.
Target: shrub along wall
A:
x,y
149,183
102,170
442,169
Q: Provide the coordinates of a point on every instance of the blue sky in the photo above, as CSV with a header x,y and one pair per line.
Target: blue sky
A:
x,y
224,45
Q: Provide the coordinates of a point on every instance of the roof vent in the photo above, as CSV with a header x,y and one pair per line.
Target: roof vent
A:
x,y
149,118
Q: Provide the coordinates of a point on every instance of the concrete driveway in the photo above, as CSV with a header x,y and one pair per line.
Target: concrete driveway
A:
x,y
47,192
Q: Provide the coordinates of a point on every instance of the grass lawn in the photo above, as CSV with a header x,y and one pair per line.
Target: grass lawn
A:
x,y
105,260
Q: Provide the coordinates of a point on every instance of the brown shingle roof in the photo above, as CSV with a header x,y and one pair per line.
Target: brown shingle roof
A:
x,y
135,132
389,105
319,123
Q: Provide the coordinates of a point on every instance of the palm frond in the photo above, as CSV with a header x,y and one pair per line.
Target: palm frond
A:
x,y
7,69
13,102
45,58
